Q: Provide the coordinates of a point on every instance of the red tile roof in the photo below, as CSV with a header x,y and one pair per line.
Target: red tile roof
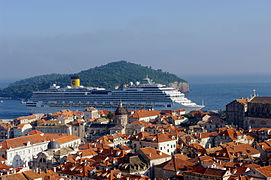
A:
x,y
141,113
152,153
34,132
176,164
266,171
35,138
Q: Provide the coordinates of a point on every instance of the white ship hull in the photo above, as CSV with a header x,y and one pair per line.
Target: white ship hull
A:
x,y
175,106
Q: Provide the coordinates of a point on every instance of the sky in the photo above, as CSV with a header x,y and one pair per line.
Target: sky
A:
x,y
200,37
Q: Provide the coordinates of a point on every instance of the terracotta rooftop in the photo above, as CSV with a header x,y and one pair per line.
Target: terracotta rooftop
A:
x,y
87,152
208,172
26,117
243,101
34,132
176,164
21,126
152,153
50,175
230,132
84,169
141,113
158,138
35,138
266,171
26,175
21,141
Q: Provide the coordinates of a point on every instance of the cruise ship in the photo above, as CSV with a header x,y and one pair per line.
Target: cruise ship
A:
x,y
147,95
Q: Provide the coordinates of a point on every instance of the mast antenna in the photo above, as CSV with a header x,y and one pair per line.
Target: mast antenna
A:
x,y
254,93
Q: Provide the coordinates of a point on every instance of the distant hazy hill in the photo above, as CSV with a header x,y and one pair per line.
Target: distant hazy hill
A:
x,y
107,76
5,83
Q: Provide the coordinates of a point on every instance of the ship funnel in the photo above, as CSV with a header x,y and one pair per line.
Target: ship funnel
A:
x,y
75,81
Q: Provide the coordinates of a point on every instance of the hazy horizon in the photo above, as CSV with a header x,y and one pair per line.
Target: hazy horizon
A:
x,y
181,37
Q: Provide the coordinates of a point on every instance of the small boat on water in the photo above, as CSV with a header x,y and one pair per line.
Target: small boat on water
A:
x,y
1,101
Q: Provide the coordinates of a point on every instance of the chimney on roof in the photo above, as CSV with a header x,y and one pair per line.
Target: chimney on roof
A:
x,y
150,154
160,153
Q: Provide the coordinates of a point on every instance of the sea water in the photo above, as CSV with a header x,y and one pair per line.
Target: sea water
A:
x,y
215,96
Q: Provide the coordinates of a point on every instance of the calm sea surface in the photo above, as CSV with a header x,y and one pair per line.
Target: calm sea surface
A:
x,y
215,96
10,109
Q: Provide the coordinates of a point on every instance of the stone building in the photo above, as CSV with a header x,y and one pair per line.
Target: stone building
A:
x,y
120,124
20,151
201,173
20,130
95,130
235,112
166,143
258,113
226,135
53,156
144,115
177,165
211,123
134,165
120,120
54,126
27,119
153,157
91,113
78,128
5,130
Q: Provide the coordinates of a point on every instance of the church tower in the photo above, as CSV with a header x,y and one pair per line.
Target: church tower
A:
x,y
121,116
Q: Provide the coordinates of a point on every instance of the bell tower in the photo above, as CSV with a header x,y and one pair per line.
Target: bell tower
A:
x,y
121,116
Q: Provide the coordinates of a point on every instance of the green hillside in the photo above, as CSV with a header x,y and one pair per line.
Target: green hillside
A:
x,y
107,76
